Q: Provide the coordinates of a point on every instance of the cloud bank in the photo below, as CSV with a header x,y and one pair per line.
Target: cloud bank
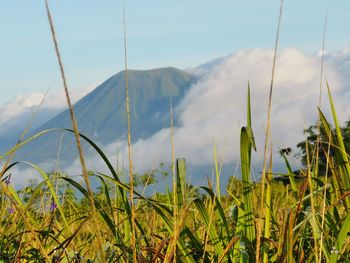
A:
x,y
15,114
214,110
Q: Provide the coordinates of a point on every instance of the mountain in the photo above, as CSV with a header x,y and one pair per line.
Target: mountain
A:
x,y
101,114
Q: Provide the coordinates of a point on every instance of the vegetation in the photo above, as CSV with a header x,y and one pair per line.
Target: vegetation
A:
x,y
317,140
306,220
61,219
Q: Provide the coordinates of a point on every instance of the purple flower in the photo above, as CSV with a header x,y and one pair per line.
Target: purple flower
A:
x,y
11,210
53,206
7,181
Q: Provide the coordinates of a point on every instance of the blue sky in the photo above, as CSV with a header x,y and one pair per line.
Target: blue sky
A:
x,y
160,33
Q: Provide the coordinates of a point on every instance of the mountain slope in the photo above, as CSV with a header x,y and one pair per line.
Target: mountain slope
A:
x,y
101,114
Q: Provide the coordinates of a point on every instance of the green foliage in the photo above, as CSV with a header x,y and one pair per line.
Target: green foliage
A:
x,y
316,140
245,214
151,176
308,220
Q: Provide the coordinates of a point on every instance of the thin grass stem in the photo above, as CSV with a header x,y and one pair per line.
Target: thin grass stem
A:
x,y
131,176
74,124
268,127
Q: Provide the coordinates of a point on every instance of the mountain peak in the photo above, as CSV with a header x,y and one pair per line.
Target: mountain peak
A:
x,y
101,114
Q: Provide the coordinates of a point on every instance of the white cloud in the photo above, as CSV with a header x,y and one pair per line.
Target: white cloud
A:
x,y
16,107
15,114
214,110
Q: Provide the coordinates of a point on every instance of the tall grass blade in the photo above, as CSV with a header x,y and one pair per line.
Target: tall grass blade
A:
x,y
181,181
340,142
342,236
268,211
214,236
175,198
219,208
217,174
246,145
340,159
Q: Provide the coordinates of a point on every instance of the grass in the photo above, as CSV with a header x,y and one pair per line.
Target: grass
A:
x,y
46,221
307,220
209,229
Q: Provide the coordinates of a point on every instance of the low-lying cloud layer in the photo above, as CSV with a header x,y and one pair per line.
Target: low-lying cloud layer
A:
x,y
16,113
214,110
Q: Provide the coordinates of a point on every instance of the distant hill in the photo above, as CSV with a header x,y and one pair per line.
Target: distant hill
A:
x,y
101,114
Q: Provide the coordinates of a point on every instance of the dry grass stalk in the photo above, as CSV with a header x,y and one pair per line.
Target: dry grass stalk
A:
x,y
319,129
131,176
181,221
70,107
171,251
172,140
268,125
74,123
211,205
312,201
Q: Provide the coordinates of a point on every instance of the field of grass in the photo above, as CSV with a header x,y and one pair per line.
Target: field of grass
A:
x,y
306,220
